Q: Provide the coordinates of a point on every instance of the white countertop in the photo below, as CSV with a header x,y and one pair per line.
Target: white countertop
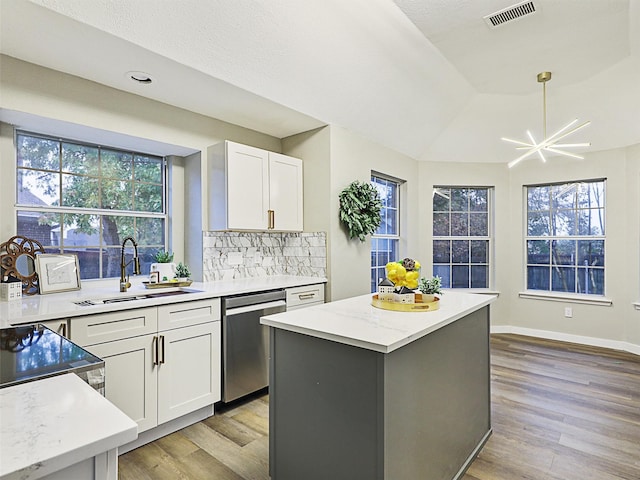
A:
x,y
38,308
356,322
53,423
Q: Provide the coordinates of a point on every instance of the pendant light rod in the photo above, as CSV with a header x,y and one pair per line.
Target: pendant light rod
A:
x,y
544,77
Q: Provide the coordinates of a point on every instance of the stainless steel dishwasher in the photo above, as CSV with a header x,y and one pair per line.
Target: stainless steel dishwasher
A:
x,y
245,343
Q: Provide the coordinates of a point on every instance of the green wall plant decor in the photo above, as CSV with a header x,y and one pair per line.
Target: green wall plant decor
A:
x,y
360,208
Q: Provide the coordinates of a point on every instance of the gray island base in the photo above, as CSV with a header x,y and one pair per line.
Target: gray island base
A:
x,y
341,411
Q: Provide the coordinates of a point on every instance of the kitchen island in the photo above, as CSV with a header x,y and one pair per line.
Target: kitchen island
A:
x,y
358,392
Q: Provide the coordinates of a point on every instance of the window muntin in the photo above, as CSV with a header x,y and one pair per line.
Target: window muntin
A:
x,y
386,240
86,199
461,236
566,237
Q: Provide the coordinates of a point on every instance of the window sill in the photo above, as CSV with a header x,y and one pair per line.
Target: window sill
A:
x,y
480,291
567,298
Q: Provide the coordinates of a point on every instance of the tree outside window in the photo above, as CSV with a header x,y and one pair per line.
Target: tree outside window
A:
x,y
461,236
565,237
86,199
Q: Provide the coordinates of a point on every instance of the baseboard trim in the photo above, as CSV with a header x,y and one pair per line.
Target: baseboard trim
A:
x,y
174,425
567,337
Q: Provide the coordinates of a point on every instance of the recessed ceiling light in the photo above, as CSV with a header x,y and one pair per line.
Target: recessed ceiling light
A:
x,y
140,77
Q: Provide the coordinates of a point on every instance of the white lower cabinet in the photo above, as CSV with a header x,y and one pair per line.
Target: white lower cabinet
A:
x,y
58,326
157,377
305,296
189,372
131,383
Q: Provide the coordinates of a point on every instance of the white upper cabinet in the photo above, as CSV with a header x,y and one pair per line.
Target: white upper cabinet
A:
x,y
285,192
253,189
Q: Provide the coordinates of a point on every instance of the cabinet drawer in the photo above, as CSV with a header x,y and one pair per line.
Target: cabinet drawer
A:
x,y
189,313
304,296
100,328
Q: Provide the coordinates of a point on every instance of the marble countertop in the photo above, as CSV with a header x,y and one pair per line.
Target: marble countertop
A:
x,y
356,322
53,423
38,308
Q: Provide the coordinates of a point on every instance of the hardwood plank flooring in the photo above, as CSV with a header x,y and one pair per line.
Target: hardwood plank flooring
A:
x,y
560,411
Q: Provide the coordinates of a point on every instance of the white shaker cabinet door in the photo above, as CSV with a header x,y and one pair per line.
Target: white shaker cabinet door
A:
x,y
247,187
189,370
285,192
130,377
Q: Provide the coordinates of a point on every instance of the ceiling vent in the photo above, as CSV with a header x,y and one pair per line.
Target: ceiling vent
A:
x,y
514,12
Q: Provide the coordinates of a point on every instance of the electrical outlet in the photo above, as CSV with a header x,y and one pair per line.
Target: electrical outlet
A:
x,y
568,312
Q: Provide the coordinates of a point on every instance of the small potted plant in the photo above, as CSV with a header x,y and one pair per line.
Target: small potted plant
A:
x,y
182,272
164,265
429,287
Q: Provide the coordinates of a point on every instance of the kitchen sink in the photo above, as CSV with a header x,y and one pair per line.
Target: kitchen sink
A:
x,y
139,296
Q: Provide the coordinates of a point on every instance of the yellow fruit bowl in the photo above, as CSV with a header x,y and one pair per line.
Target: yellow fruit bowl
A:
x,y
418,306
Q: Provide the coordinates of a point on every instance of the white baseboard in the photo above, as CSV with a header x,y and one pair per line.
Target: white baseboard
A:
x,y
567,337
174,425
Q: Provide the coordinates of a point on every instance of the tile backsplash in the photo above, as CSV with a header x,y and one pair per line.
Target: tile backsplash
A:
x,y
230,255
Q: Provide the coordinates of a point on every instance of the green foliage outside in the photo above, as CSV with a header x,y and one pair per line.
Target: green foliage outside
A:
x,y
74,176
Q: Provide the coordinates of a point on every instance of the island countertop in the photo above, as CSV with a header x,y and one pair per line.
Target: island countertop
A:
x,y
51,424
354,321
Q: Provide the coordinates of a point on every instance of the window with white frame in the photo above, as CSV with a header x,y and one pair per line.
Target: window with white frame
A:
x,y
462,236
86,199
386,240
565,237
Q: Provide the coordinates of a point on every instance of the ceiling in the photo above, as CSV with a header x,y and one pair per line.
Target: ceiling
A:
x,y
427,78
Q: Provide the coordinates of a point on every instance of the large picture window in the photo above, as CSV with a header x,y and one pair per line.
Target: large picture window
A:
x,y
565,237
461,236
86,199
386,240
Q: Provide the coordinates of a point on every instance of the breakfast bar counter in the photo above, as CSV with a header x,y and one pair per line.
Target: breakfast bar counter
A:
x,y
358,392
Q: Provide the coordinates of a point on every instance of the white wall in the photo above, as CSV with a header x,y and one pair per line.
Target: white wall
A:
x,y
74,104
616,326
471,175
617,323
334,157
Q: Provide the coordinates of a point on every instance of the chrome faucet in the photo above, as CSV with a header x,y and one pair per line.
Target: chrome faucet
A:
x,y
124,279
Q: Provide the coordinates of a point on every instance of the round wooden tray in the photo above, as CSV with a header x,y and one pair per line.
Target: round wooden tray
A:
x,y
418,306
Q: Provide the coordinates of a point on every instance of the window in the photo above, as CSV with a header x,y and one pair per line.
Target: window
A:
x,y
461,239
385,241
565,237
86,199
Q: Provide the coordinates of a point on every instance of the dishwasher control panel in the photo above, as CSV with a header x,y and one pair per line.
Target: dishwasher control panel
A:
x,y
299,297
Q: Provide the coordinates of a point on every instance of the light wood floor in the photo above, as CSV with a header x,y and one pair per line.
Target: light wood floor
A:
x,y
559,412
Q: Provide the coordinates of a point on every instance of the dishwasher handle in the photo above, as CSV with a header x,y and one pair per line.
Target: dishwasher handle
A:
x,y
252,308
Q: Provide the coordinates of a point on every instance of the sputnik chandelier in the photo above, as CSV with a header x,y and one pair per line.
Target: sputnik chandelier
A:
x,y
548,144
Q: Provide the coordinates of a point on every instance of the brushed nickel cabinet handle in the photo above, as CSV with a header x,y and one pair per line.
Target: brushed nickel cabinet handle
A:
x,y
304,296
63,329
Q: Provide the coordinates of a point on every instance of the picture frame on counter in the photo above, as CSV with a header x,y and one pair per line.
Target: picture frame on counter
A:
x,y
58,272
